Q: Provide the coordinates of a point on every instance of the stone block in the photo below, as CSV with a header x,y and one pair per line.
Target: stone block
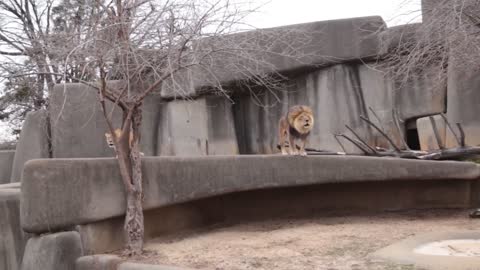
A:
x,y
282,49
33,142
463,96
422,95
197,128
52,252
51,201
12,238
426,134
78,124
98,262
6,164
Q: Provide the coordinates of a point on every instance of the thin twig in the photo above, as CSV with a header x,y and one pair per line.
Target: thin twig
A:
x,y
462,134
354,142
376,117
399,130
361,140
340,143
435,132
381,132
459,142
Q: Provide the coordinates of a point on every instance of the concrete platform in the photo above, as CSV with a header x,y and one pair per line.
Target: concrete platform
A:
x,y
59,193
403,252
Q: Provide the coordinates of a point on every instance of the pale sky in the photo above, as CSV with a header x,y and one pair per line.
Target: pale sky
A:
x,y
283,12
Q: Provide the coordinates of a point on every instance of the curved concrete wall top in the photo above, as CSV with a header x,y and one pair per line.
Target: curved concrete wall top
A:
x,y
281,49
61,193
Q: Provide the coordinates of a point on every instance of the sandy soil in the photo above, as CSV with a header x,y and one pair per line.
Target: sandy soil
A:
x,y
317,243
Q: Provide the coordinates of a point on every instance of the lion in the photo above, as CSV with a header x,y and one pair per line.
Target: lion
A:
x,y
296,125
118,132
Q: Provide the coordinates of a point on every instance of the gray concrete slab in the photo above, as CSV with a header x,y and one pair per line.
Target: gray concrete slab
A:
x,y
12,238
52,252
60,193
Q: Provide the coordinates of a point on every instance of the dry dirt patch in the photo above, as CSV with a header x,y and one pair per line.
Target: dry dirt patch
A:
x,y
300,244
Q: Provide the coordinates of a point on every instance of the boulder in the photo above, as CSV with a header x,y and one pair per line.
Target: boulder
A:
x,y
51,201
12,238
284,49
33,142
52,252
6,164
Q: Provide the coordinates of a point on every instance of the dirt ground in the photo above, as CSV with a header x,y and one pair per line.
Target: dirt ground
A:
x,y
330,243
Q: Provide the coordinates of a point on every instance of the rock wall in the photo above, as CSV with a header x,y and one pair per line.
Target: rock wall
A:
x,y
6,164
33,142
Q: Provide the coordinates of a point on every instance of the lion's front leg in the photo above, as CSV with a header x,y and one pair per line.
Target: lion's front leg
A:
x,y
302,147
293,147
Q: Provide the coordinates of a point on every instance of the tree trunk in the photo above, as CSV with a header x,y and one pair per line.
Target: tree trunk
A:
x,y
134,225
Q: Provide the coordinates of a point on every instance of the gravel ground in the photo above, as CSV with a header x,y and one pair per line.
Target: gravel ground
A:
x,y
316,243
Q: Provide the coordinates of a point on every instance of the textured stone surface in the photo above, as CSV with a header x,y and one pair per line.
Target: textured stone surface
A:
x,y
12,238
107,235
140,266
317,43
6,164
463,97
98,262
51,200
52,252
277,203
197,128
78,125
338,95
33,142
426,134
424,94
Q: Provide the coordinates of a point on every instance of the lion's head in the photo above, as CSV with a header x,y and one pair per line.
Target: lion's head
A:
x,y
300,117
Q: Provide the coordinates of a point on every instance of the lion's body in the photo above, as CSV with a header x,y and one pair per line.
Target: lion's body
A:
x,y
296,125
109,138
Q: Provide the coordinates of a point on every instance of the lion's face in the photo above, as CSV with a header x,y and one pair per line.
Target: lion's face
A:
x,y
303,123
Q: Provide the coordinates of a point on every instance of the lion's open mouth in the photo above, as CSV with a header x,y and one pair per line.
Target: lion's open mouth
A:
x,y
306,125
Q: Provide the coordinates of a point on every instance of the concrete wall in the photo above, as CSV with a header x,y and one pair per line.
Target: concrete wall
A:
x,y
33,142
6,164
78,124
12,237
59,193
339,95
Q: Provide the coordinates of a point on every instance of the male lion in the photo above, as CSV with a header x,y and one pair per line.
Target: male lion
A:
x,y
297,124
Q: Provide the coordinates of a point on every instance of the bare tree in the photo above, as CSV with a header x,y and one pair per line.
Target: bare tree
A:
x,y
187,47
417,49
35,38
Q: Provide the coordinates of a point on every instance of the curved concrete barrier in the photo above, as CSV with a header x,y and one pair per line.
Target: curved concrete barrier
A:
x,y
59,193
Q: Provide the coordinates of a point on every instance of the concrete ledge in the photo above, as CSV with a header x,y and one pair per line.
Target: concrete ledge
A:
x,y
59,193
113,262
